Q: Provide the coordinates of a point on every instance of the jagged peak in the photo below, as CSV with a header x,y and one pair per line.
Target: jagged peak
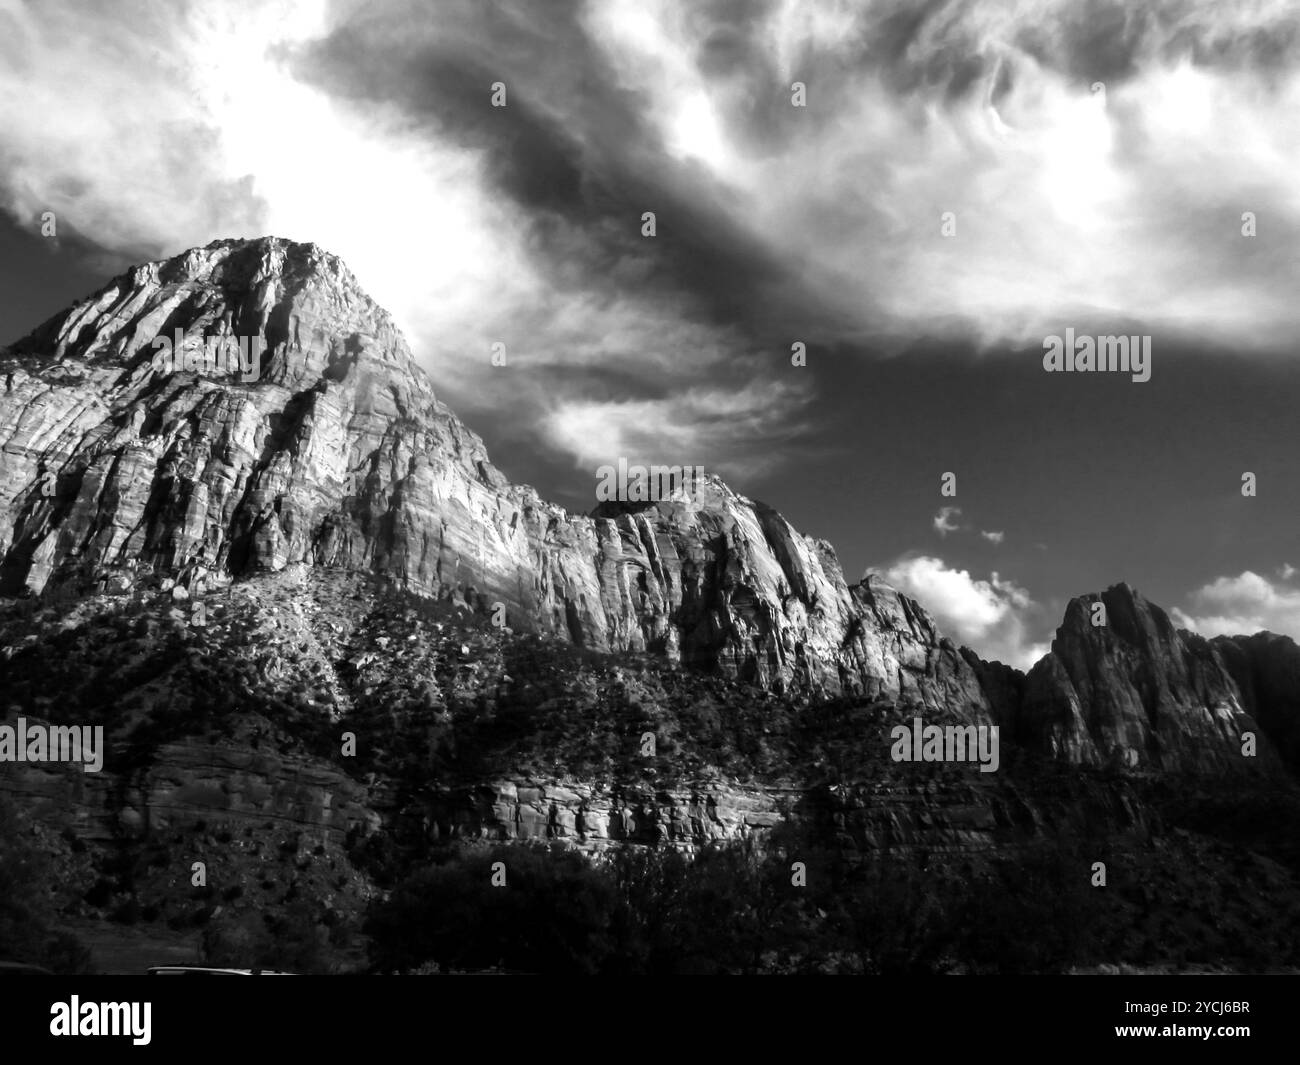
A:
x,y
1120,598
259,269
1119,591
273,254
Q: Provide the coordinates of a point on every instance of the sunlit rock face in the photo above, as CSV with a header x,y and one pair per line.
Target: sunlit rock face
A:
x,y
126,464
129,462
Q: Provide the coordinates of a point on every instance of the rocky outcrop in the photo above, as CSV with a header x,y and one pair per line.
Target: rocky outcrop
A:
x,y
1004,687
122,468
952,814
1131,691
1266,668
596,817
192,780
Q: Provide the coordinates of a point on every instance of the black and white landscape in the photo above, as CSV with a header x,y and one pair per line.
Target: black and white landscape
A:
x,y
650,488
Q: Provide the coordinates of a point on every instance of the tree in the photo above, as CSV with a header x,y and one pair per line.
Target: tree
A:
x,y
28,906
533,909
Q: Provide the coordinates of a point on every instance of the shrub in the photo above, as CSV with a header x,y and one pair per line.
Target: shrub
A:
x,y
553,915
28,912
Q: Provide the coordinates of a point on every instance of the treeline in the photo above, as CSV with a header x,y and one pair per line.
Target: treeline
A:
x,y
30,900
790,909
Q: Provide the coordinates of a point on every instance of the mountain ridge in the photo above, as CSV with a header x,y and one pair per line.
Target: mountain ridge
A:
x,y
248,477
331,646
120,473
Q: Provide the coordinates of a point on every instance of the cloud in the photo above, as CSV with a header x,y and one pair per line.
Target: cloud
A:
x,y
105,129
946,520
1060,136
597,433
368,129
1242,606
371,133
991,616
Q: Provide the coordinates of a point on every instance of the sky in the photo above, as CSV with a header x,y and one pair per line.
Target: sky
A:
x,y
919,193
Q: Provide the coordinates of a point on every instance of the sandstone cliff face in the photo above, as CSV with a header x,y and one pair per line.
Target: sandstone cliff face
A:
x,y
190,779
265,500
1132,693
594,817
952,813
120,472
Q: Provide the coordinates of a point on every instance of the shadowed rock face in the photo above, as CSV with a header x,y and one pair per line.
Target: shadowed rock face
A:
x,y
120,472
187,780
1131,693
1266,668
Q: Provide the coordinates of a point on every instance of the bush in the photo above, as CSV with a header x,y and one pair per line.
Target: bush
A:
x,y
28,911
294,941
553,915
893,914
729,909
1030,915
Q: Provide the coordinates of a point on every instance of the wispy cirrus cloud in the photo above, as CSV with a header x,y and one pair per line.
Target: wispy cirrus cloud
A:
x,y
946,520
1096,159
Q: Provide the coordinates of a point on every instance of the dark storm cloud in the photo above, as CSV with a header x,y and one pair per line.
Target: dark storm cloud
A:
x,y
574,150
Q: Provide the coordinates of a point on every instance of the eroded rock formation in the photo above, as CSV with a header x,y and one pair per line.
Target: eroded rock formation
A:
x,y
120,470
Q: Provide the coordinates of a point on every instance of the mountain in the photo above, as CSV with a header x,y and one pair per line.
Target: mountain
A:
x,y
1121,687
326,638
123,470
119,472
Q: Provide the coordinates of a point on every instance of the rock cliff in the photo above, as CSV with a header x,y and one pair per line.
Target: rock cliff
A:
x,y
330,451
1121,687
124,469
233,568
